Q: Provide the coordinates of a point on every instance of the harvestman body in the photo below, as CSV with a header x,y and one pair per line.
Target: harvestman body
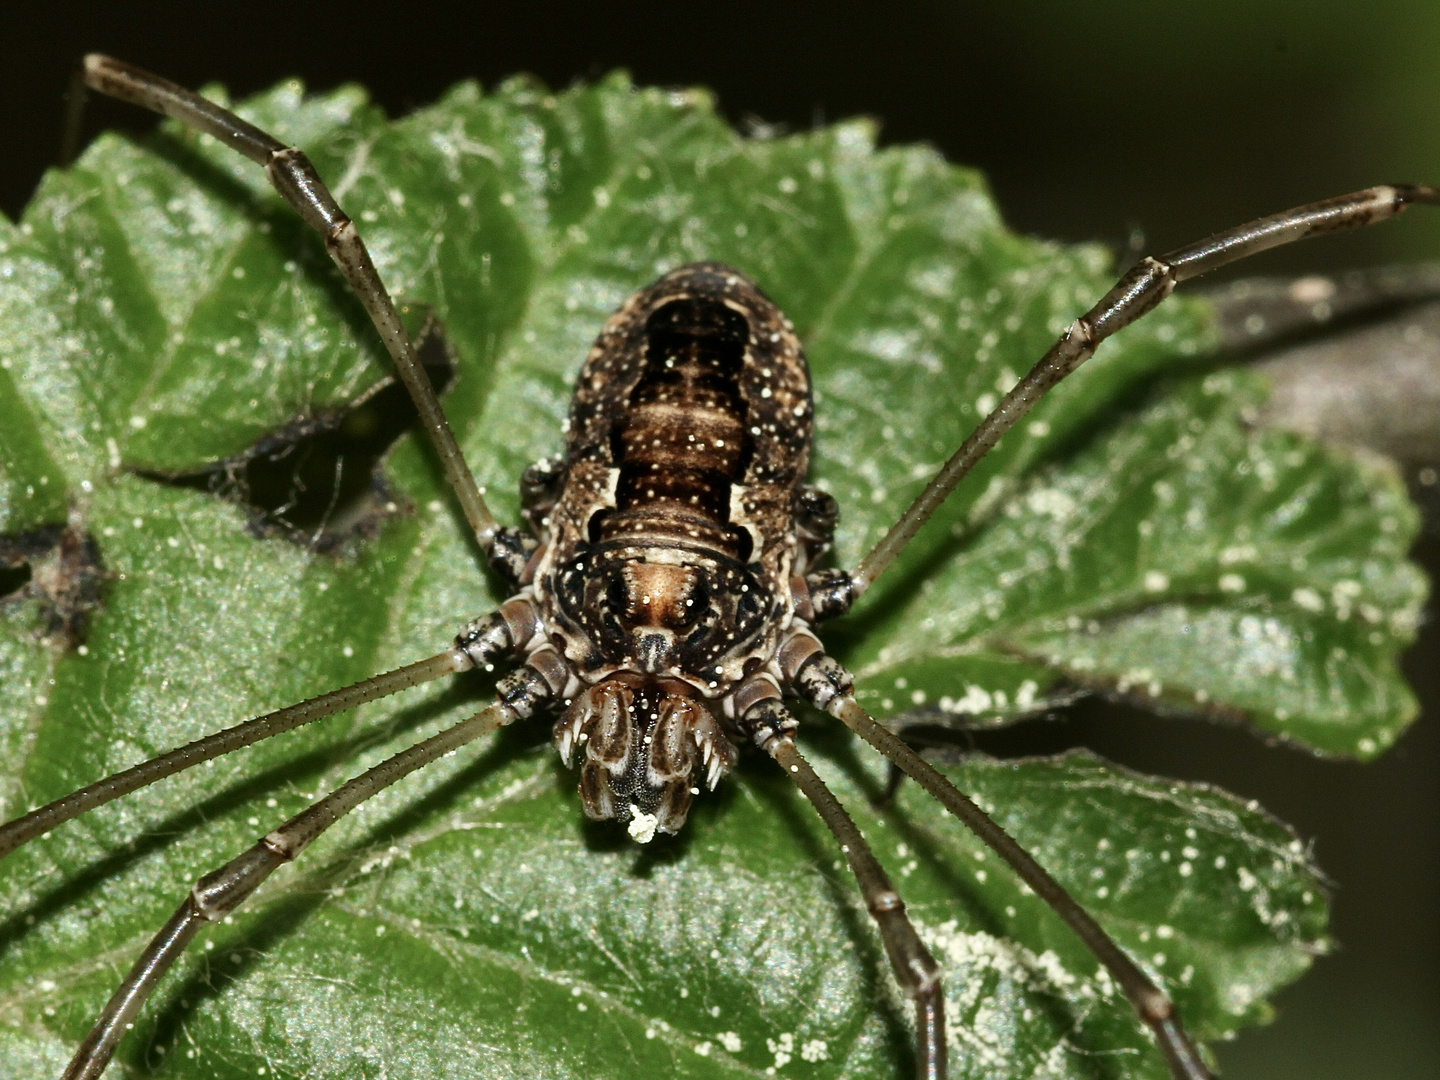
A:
x,y
664,600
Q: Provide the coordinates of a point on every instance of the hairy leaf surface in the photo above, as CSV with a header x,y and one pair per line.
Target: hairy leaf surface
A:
x,y
161,310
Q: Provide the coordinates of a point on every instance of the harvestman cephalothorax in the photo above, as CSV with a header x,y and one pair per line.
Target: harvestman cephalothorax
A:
x,y
664,597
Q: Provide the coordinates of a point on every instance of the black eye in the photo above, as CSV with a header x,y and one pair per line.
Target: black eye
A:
x,y
696,604
615,596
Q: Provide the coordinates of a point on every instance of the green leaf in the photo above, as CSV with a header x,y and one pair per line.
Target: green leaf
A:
x,y
1189,561
161,309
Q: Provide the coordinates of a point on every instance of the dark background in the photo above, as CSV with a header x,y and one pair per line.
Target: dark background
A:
x,y
1093,122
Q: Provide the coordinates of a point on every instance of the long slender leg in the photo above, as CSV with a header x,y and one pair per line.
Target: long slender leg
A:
x,y
536,683
1136,293
220,892
1153,1005
822,681
1149,1001
41,820
480,644
295,178
915,969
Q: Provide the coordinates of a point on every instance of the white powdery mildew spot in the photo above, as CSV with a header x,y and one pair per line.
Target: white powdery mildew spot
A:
x,y
1240,553
1404,621
1142,677
1270,647
1343,595
1025,695
891,345
815,1050
1054,1063
1052,503
980,1030
783,1048
1232,583
1238,997
976,700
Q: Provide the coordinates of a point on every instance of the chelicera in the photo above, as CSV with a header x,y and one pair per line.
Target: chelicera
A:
x,y
665,593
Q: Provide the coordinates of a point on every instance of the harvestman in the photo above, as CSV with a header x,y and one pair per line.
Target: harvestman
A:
x,y
665,600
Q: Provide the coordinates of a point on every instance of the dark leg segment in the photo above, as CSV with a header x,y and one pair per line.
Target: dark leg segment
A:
x,y
915,969
1136,293
295,178
42,820
222,891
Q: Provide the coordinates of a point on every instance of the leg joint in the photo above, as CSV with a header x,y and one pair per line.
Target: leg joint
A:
x,y
544,677
1154,1007
222,891
769,723
927,973
830,594
295,178
822,681
1143,287
885,902
509,554
499,634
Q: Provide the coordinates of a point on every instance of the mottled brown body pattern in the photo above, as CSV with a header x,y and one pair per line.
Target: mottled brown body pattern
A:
x,y
666,557
664,597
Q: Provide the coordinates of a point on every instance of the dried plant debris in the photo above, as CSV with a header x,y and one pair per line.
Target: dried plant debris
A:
x,y
57,567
